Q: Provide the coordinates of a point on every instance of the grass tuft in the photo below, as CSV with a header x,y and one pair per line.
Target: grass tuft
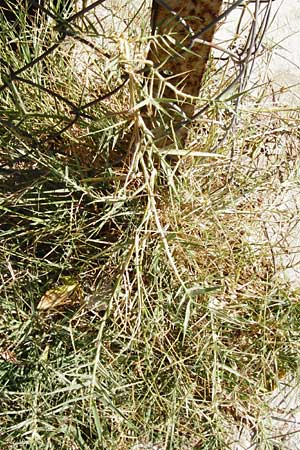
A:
x,y
162,320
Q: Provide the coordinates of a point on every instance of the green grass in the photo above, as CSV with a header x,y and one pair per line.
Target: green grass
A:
x,y
176,328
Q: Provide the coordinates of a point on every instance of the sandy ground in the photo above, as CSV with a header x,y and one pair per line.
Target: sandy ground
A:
x,y
280,427
280,65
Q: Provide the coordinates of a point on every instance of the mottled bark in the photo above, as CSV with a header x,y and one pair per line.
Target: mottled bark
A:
x,y
179,54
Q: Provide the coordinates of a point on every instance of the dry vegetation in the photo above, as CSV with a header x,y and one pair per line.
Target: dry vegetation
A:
x,y
138,297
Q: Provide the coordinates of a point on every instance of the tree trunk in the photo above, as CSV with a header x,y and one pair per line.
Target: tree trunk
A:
x,y
179,57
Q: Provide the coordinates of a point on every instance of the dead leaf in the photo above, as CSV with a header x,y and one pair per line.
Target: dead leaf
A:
x,y
67,293
8,356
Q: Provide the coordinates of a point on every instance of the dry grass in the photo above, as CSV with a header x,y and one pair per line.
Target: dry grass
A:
x,y
168,325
